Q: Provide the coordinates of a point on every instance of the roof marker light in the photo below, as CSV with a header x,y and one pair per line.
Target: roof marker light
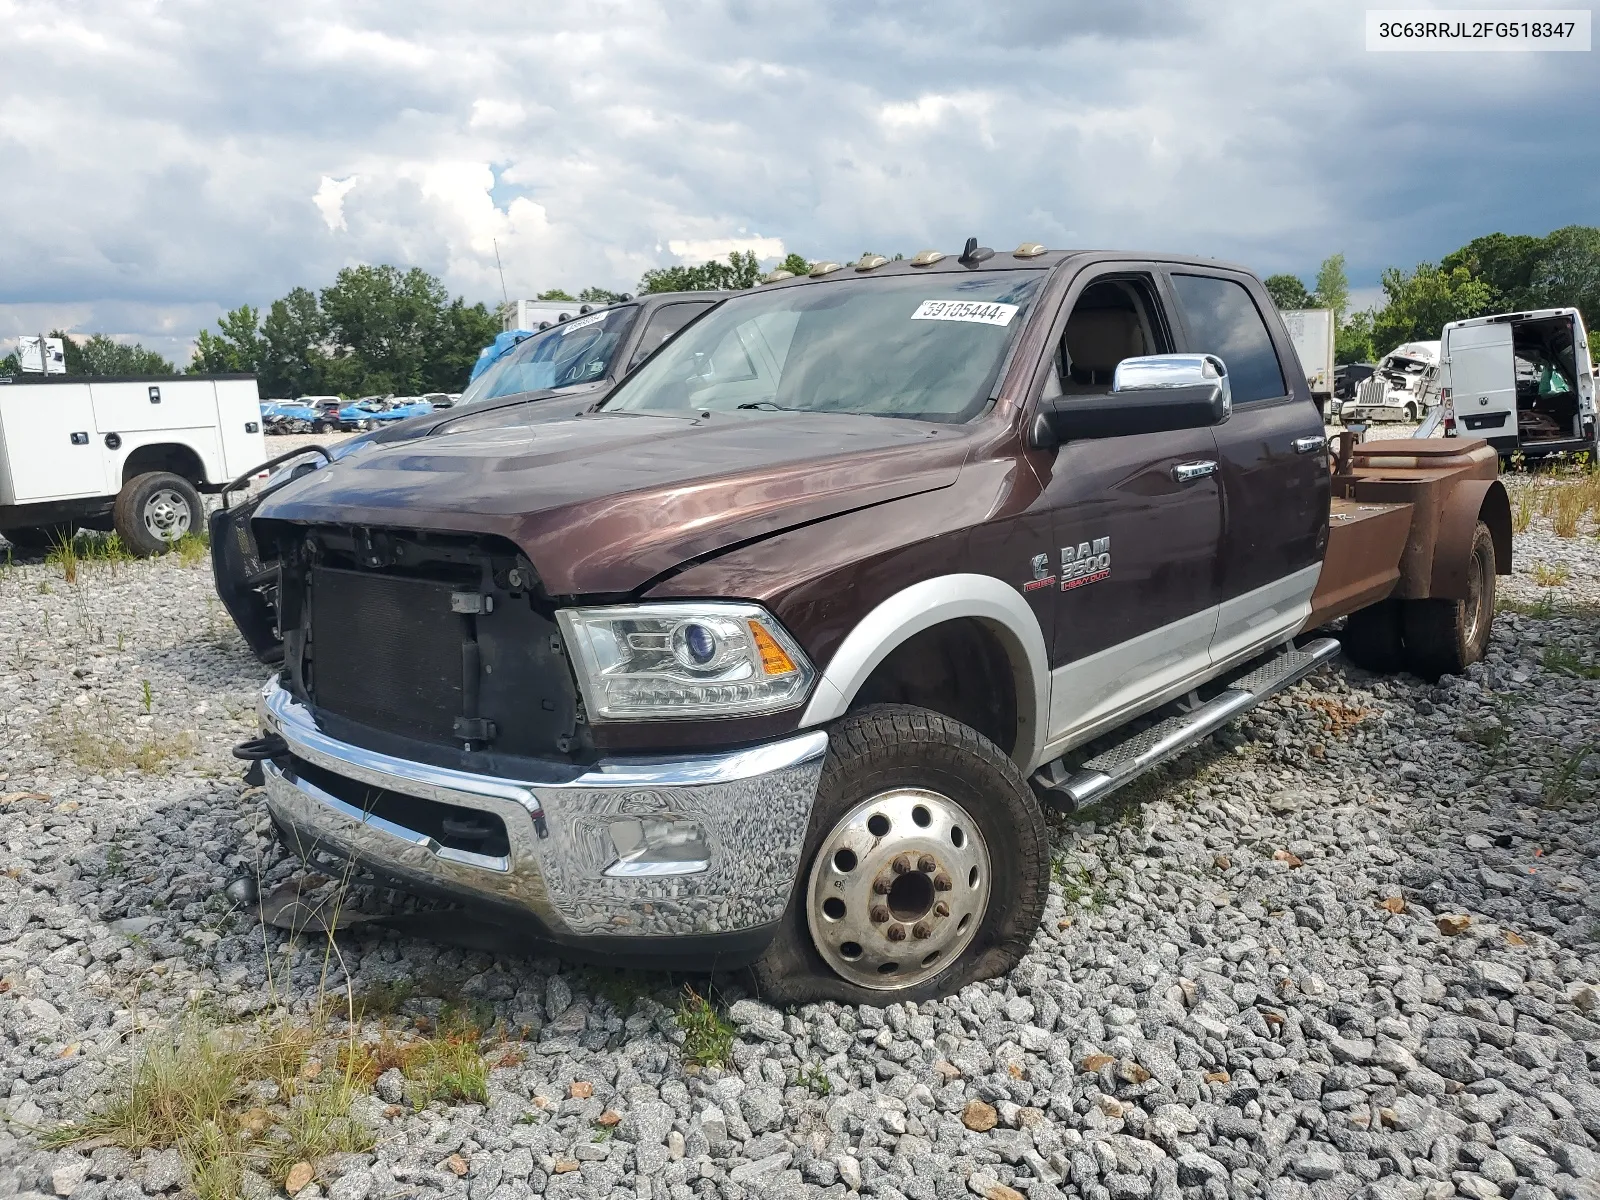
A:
x,y
1028,250
868,261
822,268
926,258
777,276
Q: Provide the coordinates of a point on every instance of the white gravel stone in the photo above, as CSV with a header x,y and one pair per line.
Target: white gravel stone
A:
x,y
1273,1032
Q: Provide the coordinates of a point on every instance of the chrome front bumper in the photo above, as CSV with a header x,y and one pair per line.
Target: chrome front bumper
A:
x,y
569,864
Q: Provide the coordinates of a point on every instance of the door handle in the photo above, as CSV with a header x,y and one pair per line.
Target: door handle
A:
x,y
1185,472
1309,445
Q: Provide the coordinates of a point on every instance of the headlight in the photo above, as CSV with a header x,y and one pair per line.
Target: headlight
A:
x,y
656,661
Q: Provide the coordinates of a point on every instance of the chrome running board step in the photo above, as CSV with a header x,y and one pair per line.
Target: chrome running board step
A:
x,y
1151,747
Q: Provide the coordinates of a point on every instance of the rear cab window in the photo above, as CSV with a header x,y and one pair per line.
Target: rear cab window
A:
x,y
1222,319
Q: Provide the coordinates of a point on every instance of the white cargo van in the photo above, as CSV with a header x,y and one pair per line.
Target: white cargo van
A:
x,y
1522,381
129,454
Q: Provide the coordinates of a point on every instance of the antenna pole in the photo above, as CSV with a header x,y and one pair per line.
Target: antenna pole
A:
x,y
504,295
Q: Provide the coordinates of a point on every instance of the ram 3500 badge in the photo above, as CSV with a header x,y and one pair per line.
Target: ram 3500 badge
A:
x,y
739,665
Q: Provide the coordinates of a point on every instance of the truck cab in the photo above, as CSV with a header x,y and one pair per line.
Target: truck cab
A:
x,y
777,652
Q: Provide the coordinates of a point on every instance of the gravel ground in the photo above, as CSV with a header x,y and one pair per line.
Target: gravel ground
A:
x,y
1349,948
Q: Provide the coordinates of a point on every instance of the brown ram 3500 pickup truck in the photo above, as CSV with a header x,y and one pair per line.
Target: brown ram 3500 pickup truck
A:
x,y
776,654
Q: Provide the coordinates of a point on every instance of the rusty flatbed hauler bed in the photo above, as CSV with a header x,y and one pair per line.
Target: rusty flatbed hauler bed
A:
x,y
776,650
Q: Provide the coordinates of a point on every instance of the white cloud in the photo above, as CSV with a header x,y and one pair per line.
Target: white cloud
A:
x,y
699,250
330,199
159,158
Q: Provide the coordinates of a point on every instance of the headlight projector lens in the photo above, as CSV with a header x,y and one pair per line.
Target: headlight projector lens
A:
x,y
695,646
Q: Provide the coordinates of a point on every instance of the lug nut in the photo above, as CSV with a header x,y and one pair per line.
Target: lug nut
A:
x,y
881,885
897,933
926,865
879,914
941,882
901,864
921,930
941,909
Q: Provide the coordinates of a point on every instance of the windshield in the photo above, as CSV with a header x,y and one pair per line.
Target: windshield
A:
x,y
921,346
576,352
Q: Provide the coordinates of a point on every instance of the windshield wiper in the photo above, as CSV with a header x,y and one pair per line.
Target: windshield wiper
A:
x,y
769,406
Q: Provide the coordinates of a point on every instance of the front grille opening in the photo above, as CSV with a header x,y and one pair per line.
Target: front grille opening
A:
x,y
451,825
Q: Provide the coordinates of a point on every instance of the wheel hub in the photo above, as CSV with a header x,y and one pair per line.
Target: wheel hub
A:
x,y
898,889
166,515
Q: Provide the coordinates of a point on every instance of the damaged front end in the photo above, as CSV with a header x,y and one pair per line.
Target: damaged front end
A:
x,y
427,725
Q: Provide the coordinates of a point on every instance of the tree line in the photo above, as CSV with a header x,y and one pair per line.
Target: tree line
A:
x,y
1498,272
378,330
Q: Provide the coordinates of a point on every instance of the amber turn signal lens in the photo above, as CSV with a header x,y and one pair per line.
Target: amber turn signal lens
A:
x,y
773,660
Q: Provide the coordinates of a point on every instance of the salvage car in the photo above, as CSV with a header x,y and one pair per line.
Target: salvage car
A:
x,y
580,359
779,653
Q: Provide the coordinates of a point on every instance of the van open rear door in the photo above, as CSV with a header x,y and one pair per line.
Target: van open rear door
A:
x,y
1483,379
1585,364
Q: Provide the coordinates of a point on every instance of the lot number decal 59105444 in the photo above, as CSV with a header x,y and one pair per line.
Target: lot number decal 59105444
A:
x,y
965,310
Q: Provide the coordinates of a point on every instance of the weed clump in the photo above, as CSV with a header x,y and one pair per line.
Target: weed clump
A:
x,y
708,1036
192,1088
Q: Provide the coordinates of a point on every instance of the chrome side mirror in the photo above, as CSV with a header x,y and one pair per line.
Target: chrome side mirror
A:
x,y
1174,371
1158,393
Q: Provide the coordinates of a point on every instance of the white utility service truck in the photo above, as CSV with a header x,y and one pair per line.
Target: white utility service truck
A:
x,y
132,455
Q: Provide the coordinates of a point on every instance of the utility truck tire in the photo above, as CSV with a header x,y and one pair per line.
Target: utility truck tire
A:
x,y
40,537
1445,637
153,511
1372,637
926,866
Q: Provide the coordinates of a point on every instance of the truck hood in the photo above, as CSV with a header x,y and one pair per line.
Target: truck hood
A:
x,y
605,502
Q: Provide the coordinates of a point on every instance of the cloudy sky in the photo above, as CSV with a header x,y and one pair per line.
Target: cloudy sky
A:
x,y
164,160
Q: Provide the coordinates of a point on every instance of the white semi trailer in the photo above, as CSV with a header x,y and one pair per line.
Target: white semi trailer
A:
x,y
1311,330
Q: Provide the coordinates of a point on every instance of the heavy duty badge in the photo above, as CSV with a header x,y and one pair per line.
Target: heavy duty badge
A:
x,y
1041,574
1085,563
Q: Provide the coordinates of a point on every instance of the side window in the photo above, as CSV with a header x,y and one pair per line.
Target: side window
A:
x,y
1223,320
668,319
1111,320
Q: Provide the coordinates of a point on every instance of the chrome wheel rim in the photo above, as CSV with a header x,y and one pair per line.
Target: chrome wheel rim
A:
x,y
1477,587
898,889
166,515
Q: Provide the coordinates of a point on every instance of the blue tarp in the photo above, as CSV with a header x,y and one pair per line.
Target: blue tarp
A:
x,y
497,349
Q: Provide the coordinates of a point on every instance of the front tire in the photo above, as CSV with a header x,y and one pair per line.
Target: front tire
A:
x,y
1445,637
153,511
926,866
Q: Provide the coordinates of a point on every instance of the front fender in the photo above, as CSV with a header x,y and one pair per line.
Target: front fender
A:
x,y
997,605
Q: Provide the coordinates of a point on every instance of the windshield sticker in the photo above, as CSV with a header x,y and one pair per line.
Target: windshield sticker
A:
x,y
965,310
583,322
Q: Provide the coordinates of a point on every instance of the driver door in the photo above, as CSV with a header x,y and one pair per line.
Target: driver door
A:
x,y
1138,527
